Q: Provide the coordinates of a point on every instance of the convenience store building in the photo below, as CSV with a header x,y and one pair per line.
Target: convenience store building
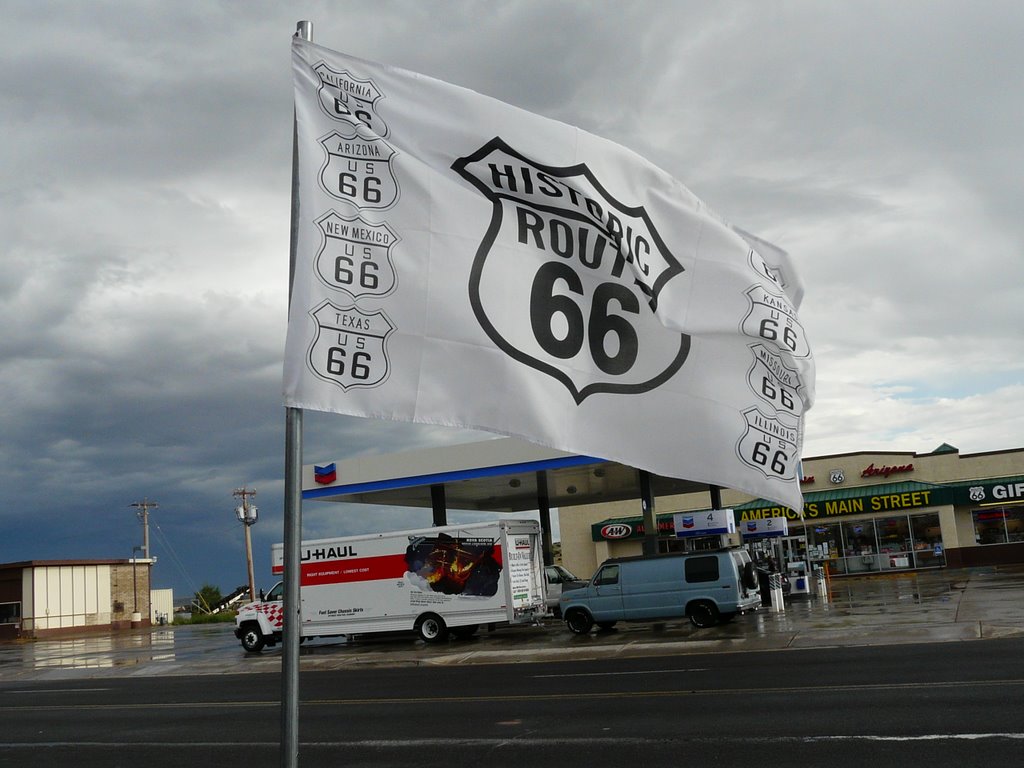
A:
x,y
865,512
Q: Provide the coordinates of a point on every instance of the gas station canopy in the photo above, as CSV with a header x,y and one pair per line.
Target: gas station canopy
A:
x,y
499,475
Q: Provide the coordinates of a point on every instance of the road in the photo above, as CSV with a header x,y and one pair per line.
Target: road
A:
x,y
942,704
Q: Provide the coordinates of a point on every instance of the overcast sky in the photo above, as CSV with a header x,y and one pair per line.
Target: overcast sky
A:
x,y
145,169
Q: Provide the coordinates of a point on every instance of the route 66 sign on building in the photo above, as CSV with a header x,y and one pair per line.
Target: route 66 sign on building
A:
x,y
355,255
348,98
358,171
349,348
582,309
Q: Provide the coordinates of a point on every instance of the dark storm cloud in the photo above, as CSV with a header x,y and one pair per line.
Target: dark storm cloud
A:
x,y
144,228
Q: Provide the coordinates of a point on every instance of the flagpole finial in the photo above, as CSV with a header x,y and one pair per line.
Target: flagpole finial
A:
x,y
304,29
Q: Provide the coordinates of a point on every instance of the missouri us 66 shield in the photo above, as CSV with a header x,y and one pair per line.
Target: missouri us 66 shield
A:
x,y
350,346
566,279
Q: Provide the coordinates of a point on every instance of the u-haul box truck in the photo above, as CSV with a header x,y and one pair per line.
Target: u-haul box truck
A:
x,y
433,581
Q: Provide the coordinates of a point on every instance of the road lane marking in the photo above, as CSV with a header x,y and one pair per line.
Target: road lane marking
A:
x,y
504,698
527,741
613,674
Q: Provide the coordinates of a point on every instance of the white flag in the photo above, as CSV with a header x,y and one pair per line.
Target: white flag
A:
x,y
464,262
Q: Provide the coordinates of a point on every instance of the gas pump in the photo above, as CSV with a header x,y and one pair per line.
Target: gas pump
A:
x,y
794,551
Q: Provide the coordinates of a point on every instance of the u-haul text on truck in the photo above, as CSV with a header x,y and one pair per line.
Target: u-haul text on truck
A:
x,y
432,581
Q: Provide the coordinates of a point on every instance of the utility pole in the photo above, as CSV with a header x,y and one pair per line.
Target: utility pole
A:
x,y
247,514
142,512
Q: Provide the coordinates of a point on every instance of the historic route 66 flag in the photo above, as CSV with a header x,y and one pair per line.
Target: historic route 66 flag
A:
x,y
464,262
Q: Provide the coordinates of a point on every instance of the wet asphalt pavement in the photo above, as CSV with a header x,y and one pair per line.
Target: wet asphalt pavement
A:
x,y
932,606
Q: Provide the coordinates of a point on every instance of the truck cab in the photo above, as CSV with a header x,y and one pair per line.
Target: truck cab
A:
x,y
259,623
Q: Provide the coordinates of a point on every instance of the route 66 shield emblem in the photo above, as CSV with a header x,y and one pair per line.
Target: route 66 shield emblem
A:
x,y
355,255
350,346
566,278
358,171
345,97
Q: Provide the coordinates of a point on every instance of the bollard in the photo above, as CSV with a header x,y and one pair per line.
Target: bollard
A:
x,y
822,583
775,589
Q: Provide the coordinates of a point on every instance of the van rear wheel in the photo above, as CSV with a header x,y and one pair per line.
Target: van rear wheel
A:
x,y
579,621
703,614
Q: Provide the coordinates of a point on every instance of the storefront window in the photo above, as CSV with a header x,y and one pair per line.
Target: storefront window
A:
x,y
927,538
827,548
901,542
1001,525
859,546
894,545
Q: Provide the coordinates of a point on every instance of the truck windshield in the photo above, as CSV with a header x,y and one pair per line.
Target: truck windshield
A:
x,y
277,593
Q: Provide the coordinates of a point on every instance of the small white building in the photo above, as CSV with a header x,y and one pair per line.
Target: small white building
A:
x,y
41,598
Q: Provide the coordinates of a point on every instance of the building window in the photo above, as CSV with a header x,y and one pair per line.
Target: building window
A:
x,y
999,525
859,541
926,538
900,542
10,613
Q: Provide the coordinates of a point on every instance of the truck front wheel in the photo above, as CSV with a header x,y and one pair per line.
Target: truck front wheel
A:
x,y
431,628
252,638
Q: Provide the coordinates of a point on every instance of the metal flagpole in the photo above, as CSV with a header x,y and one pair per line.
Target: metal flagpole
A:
x,y
292,507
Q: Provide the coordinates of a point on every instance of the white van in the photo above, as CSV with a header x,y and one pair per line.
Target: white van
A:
x,y
707,587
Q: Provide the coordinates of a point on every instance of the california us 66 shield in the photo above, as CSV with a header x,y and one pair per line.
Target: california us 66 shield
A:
x,y
344,96
566,279
350,346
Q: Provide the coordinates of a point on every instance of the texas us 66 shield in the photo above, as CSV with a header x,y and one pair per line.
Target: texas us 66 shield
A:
x,y
349,348
566,278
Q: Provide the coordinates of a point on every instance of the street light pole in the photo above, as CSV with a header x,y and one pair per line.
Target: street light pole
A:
x,y
247,514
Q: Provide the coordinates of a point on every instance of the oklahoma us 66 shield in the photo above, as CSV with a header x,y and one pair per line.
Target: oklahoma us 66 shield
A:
x,y
350,346
566,279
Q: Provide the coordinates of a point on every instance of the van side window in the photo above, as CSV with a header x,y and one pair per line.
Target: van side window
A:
x,y
700,569
608,575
